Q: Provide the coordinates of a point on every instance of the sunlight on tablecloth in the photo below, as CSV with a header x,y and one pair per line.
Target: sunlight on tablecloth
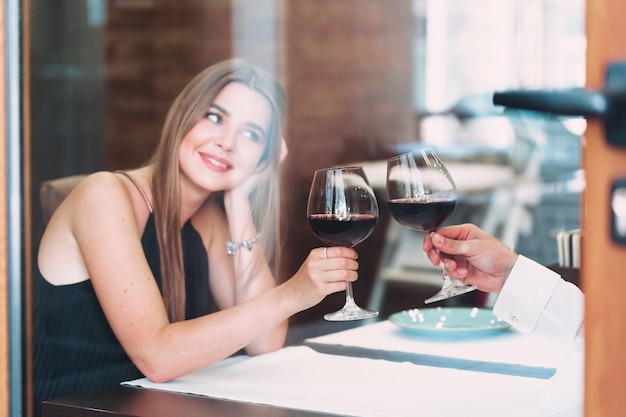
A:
x,y
564,394
506,346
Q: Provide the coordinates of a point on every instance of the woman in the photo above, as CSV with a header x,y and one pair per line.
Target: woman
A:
x,y
165,269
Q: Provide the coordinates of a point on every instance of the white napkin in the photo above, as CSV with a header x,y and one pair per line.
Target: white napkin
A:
x,y
300,378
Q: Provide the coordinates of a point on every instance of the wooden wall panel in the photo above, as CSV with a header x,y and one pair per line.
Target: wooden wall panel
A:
x,y
603,272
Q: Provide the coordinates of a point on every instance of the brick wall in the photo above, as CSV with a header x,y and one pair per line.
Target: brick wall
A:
x,y
348,74
153,50
348,66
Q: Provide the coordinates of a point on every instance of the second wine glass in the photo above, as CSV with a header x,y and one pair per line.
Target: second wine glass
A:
x,y
421,195
342,211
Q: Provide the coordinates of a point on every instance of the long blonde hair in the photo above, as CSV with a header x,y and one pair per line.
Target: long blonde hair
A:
x,y
188,108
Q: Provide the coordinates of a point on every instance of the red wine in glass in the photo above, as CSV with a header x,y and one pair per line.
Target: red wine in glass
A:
x,y
349,230
421,195
425,213
342,211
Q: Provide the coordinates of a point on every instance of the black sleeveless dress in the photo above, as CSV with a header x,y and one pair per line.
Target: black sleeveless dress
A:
x,y
74,348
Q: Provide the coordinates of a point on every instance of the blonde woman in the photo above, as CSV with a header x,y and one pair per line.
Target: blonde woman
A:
x,y
165,269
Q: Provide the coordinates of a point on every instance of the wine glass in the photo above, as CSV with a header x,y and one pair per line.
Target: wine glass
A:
x,y
421,195
342,211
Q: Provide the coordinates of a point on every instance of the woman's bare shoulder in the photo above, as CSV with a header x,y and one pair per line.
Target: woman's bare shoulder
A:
x,y
101,192
100,205
100,183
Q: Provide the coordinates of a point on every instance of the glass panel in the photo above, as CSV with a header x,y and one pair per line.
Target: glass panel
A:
x,y
365,79
462,55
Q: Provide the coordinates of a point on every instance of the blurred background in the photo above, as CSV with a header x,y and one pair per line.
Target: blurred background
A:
x,y
365,79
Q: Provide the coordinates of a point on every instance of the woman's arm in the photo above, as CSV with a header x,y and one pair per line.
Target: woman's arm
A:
x,y
102,220
239,278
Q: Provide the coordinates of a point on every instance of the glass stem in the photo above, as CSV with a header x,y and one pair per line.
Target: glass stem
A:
x,y
349,297
444,272
447,282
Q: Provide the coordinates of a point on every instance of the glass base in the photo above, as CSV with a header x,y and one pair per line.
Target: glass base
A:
x,y
450,291
350,313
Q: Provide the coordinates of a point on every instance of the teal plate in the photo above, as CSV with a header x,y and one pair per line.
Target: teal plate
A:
x,y
449,321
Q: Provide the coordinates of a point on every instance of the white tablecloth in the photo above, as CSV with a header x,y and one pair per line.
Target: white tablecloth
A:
x,y
298,377
507,346
301,378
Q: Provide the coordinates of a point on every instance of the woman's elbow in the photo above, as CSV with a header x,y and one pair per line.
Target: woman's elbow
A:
x,y
157,370
156,374
157,378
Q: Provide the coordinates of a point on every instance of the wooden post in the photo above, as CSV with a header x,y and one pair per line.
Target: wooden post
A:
x,y
603,273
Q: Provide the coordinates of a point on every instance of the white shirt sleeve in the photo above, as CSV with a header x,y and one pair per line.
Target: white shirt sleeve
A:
x,y
535,298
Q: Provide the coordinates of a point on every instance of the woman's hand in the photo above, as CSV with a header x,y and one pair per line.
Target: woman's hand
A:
x,y
263,173
471,255
319,276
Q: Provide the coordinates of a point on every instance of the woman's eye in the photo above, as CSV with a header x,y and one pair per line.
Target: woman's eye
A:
x,y
213,117
252,135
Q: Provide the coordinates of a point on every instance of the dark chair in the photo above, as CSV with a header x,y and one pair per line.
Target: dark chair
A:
x,y
53,192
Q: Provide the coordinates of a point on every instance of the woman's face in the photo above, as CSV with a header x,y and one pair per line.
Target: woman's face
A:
x,y
224,148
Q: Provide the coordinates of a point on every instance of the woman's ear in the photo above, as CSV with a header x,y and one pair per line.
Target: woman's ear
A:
x,y
283,154
283,149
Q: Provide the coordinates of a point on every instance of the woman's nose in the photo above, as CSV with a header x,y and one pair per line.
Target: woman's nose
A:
x,y
226,140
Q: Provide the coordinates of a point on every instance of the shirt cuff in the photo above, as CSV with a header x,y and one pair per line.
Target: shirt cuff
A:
x,y
525,294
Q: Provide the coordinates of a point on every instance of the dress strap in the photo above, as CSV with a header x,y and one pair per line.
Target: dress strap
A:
x,y
143,193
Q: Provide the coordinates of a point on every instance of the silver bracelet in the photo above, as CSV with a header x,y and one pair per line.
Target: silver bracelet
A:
x,y
231,247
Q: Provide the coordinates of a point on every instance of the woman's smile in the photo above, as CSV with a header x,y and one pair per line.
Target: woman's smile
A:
x,y
215,163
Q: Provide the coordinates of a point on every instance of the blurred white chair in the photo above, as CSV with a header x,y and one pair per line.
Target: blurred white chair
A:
x,y
510,213
403,261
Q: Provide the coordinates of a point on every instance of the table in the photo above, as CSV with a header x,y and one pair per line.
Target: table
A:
x,y
505,374
137,402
